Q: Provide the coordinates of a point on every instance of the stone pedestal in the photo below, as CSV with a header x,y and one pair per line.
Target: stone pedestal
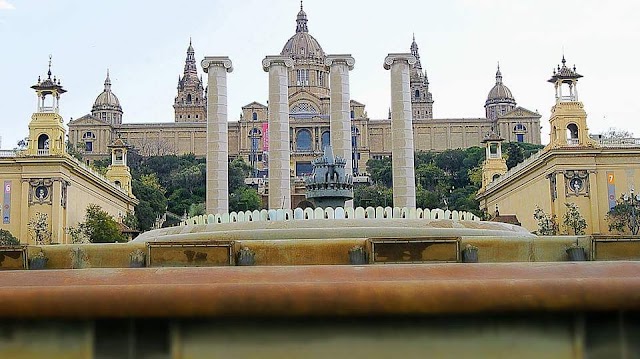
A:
x,y
217,200
340,109
402,149
279,153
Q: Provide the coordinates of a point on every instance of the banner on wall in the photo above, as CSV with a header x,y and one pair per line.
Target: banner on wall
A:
x,y
6,207
611,189
265,136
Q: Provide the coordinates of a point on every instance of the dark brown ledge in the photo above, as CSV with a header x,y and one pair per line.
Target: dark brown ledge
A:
x,y
320,290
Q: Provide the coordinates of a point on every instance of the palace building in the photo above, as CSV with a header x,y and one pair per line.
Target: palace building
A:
x,y
45,190
572,168
309,117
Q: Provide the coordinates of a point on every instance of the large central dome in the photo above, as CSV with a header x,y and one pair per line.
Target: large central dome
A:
x,y
302,45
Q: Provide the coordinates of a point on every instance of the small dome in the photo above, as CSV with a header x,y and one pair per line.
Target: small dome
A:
x,y
107,100
302,45
499,90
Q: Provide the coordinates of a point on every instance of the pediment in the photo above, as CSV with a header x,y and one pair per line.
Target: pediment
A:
x,y
254,104
520,112
87,120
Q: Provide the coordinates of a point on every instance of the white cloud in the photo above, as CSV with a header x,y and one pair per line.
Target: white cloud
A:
x,y
5,5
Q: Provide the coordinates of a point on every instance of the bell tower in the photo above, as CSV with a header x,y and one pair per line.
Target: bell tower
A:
x,y
46,130
568,120
190,104
118,172
494,165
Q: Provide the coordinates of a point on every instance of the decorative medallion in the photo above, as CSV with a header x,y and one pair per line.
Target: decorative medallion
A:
x,y
40,191
576,183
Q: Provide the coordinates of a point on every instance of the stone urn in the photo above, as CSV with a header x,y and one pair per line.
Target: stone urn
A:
x,y
246,257
38,261
357,256
576,253
470,254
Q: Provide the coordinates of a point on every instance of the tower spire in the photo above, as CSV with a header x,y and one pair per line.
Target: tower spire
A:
x,y
498,75
190,63
49,72
107,82
301,20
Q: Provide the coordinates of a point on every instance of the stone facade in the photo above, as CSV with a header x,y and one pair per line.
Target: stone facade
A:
x,y
572,168
309,118
43,181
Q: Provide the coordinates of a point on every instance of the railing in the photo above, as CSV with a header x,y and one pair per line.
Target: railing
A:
x,y
97,174
43,152
619,142
7,153
329,213
515,169
573,141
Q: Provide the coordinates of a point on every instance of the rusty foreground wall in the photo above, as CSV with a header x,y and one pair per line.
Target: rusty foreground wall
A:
x,y
401,289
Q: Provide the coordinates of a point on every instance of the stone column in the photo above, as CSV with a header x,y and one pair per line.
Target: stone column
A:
x,y
340,109
279,154
217,199
404,185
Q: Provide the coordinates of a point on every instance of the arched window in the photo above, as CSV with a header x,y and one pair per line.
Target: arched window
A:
x,y
326,139
303,140
254,116
495,177
519,128
353,114
43,142
417,94
572,131
189,98
117,183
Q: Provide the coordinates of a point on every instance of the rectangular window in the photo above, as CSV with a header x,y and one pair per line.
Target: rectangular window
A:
x,y
88,146
303,168
520,137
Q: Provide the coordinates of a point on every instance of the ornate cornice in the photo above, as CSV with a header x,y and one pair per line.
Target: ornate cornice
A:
x,y
346,59
276,60
392,58
222,61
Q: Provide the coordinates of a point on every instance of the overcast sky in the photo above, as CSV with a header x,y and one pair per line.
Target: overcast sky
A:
x,y
143,43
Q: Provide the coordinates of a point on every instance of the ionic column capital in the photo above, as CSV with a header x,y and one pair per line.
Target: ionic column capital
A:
x,y
269,61
222,61
346,59
403,57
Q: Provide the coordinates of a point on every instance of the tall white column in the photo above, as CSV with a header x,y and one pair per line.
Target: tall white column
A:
x,y
404,185
217,199
340,109
340,106
279,154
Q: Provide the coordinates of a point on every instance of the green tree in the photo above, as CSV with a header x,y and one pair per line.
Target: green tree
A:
x,y
196,209
74,150
244,199
100,227
238,171
7,239
427,199
376,195
515,154
152,200
572,219
430,176
547,224
622,216
380,171
39,228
